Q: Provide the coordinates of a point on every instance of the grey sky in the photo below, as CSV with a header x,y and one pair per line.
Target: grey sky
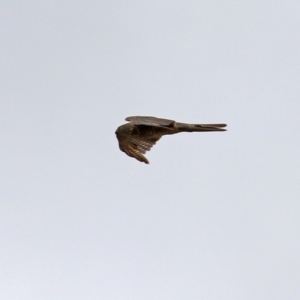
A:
x,y
214,215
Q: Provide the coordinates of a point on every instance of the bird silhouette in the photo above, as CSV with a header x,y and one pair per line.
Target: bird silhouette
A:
x,y
141,133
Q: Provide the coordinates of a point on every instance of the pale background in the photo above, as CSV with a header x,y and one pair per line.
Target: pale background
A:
x,y
214,215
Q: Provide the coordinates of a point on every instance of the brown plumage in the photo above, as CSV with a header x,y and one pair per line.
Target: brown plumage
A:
x,y
141,133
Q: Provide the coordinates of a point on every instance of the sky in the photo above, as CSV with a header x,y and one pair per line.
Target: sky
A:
x,y
214,215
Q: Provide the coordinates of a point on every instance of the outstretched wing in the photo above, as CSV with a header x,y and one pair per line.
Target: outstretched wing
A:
x,y
150,121
138,144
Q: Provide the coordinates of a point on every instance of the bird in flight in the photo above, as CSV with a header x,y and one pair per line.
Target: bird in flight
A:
x,y
141,133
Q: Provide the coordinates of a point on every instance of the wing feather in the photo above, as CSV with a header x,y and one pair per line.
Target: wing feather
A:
x,y
141,142
150,121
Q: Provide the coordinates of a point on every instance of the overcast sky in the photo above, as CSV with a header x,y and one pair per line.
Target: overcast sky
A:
x,y
214,216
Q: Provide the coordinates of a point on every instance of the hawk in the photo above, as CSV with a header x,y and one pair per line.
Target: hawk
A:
x,y
141,133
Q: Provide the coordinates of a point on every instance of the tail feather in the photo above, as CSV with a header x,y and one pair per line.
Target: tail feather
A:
x,y
200,127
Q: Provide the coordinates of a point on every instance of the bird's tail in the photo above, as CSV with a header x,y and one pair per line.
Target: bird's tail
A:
x,y
182,127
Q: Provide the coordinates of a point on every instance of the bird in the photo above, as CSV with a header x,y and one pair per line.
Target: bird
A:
x,y
142,132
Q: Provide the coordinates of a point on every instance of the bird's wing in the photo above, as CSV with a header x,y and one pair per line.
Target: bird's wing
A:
x,y
139,144
150,121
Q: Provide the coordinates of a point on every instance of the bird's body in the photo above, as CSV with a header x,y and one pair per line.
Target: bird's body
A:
x,y
141,133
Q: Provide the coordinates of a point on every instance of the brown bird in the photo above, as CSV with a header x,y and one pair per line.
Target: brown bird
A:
x,y
141,133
